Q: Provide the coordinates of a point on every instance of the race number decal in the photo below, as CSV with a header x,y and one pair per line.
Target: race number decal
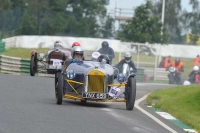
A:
x,y
114,92
56,63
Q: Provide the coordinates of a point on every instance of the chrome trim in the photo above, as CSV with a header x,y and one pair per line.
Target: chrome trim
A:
x,y
86,83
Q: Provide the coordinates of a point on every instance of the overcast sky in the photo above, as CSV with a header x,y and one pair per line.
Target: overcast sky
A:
x,y
131,4
134,3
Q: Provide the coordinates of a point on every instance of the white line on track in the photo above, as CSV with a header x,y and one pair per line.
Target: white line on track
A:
x,y
151,116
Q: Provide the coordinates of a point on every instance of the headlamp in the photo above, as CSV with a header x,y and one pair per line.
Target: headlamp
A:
x,y
71,74
120,78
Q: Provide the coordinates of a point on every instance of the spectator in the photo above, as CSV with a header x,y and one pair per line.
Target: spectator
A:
x,y
196,61
167,62
107,51
162,63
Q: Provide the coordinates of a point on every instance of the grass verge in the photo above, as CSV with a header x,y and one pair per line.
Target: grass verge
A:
x,y
183,102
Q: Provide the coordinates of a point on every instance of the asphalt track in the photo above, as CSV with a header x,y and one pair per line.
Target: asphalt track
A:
x,y
28,105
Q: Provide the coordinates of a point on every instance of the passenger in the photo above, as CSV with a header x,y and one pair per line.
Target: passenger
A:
x,y
75,44
106,50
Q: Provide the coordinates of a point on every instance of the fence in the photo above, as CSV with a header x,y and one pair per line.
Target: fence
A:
x,y
16,66
2,46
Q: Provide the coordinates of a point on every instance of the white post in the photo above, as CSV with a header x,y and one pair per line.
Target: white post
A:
x,y
138,55
120,53
156,64
162,21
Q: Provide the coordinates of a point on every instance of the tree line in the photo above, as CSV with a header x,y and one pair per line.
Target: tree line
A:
x,y
88,18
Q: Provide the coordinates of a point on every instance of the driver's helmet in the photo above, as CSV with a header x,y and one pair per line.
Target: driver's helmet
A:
x,y
75,44
196,69
103,59
128,57
77,50
58,44
105,44
177,61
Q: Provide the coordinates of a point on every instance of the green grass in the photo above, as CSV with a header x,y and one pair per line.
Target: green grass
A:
x,y
183,102
25,53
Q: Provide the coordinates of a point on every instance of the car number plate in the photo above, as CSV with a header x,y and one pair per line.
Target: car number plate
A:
x,y
94,95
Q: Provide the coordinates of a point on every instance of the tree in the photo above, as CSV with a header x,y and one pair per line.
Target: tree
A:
x,y
108,27
192,24
5,5
172,19
143,27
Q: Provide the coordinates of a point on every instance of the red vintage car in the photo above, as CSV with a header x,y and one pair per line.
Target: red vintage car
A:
x,y
50,62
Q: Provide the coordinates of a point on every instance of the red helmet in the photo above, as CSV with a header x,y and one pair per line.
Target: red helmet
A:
x,y
76,44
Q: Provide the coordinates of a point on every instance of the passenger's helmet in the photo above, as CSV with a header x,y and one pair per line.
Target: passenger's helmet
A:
x,y
128,57
75,44
77,50
103,59
58,44
196,69
177,61
104,44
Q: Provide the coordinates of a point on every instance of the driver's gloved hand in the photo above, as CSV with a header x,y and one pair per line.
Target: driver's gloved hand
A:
x,y
74,61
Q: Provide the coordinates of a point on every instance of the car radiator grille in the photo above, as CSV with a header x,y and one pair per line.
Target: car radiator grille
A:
x,y
96,81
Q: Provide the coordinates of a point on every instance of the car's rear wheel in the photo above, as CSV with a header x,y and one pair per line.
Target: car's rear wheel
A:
x,y
33,66
59,88
130,93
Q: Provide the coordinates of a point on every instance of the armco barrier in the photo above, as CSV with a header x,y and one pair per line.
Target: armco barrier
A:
x,y
156,73
2,46
14,65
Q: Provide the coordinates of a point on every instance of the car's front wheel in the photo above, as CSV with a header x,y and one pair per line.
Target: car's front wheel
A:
x,y
130,93
59,88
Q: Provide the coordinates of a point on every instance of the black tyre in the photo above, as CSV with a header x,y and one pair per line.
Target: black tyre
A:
x,y
59,88
130,93
33,66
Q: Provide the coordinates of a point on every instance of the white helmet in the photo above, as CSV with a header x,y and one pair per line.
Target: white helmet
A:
x,y
195,69
77,50
58,44
127,57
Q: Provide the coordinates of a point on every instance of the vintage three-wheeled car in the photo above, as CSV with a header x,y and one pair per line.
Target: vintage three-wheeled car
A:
x,y
49,62
95,81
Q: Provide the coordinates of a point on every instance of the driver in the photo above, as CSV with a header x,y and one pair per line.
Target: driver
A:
x,y
76,55
178,64
127,59
58,45
107,51
103,59
192,75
